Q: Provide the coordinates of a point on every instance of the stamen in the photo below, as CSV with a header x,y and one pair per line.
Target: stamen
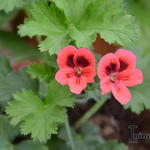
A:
x,y
79,71
113,77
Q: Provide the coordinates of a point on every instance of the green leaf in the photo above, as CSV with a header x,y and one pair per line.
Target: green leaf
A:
x,y
140,93
8,5
17,47
90,17
112,145
139,9
59,95
5,18
30,145
56,144
5,66
14,81
7,133
83,19
47,21
41,71
40,117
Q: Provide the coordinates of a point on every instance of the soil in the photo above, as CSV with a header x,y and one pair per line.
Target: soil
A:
x,y
114,121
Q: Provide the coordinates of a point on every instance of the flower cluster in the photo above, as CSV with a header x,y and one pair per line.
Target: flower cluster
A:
x,y
116,71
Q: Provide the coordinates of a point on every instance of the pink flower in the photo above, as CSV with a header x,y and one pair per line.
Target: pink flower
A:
x,y
117,71
76,68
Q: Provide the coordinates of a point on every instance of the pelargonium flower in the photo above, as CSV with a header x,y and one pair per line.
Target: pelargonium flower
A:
x,y
117,72
76,68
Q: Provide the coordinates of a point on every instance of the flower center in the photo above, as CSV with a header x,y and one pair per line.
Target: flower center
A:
x,y
113,77
78,71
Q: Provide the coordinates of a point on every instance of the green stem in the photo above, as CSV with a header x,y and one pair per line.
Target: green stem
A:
x,y
90,113
68,130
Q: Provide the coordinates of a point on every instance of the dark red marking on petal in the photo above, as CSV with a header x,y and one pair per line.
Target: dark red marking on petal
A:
x,y
123,65
111,68
70,62
69,75
82,61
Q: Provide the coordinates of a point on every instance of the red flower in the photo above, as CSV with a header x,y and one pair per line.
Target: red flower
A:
x,y
77,68
117,71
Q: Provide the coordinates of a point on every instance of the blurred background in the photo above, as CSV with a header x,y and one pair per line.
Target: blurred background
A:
x,y
113,119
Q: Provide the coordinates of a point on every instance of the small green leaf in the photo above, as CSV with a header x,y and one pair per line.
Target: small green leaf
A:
x,y
5,67
5,18
41,71
8,5
18,47
30,145
14,81
7,131
60,95
112,145
40,117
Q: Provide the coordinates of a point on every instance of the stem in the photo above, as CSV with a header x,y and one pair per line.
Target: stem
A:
x,y
90,113
68,130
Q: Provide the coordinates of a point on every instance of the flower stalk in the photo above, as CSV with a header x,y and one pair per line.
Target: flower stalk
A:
x,y
90,113
69,134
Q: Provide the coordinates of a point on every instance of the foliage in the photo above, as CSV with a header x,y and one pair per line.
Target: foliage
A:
x,y
141,10
8,5
5,18
46,21
28,109
64,22
8,133
30,145
41,71
12,81
140,93
5,66
89,139
17,47
35,103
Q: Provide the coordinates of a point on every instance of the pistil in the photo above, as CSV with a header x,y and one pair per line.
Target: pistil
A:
x,y
79,71
113,77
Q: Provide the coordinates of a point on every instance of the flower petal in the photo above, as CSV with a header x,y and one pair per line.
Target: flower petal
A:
x,y
121,93
89,73
126,58
77,84
107,65
65,57
131,77
84,58
105,85
64,74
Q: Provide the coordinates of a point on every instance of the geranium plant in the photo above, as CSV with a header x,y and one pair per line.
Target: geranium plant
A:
x,y
38,84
